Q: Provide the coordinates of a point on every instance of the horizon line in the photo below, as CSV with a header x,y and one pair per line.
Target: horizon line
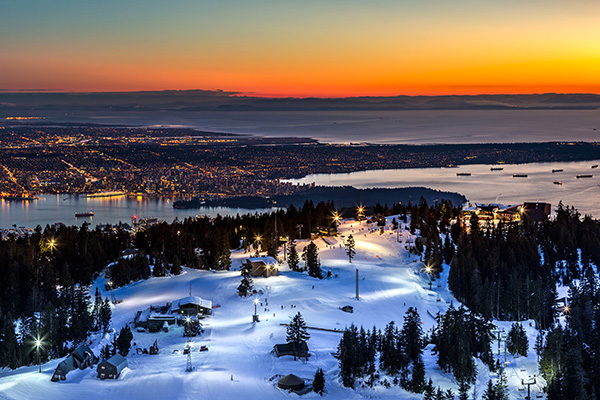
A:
x,y
240,94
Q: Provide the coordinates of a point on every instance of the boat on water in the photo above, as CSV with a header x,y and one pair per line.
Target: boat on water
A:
x,y
557,170
463,174
496,168
20,197
557,182
520,175
84,214
584,176
595,166
104,194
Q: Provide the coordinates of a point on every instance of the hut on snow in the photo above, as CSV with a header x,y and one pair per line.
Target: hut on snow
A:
x,y
263,266
290,382
112,367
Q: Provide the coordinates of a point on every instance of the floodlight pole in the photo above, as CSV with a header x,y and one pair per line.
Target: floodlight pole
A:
x,y
38,343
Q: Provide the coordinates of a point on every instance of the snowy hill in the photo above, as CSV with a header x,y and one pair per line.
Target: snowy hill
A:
x,y
239,363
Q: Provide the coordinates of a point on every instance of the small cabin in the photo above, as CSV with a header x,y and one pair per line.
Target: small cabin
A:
x,y
263,266
290,382
288,350
112,367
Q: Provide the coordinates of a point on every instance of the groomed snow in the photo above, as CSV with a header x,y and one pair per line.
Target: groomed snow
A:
x,y
239,363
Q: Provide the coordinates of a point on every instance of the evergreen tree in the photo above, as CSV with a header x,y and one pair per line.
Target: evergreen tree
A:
x,y
501,387
392,358
319,382
463,390
411,335
105,352
124,340
490,392
176,266
429,391
96,309
159,267
293,258
453,343
105,315
312,261
9,345
224,255
297,333
347,355
517,342
417,381
350,245
246,285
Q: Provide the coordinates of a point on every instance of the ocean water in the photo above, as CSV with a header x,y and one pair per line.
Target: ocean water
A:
x,y
383,127
51,208
486,186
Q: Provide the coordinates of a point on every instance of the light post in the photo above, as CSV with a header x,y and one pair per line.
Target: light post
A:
x,y
112,294
360,214
336,219
38,344
188,331
255,316
428,270
257,240
285,240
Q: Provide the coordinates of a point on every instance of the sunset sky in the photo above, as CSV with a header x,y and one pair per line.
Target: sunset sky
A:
x,y
302,48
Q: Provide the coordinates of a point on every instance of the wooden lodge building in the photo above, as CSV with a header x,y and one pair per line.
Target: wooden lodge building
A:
x,y
82,357
495,213
263,266
112,367
192,306
155,318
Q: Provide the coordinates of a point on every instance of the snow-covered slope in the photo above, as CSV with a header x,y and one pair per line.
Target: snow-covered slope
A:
x,y
239,363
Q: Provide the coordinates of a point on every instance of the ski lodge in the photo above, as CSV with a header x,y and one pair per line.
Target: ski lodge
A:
x,y
192,306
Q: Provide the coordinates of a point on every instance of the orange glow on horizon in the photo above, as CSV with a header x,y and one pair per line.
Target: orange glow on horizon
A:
x,y
319,49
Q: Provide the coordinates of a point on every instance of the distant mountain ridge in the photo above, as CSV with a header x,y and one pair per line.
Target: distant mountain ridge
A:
x,y
216,100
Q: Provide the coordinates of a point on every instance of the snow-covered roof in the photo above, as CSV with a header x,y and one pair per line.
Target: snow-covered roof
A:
x,y
195,300
118,361
267,260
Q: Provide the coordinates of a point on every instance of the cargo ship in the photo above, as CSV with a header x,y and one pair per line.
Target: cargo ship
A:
x,y
519,175
84,214
584,176
105,194
595,166
463,174
557,170
496,169
557,182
